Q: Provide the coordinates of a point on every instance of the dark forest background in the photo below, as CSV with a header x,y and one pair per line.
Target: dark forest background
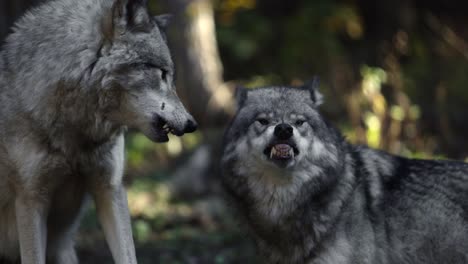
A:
x,y
394,74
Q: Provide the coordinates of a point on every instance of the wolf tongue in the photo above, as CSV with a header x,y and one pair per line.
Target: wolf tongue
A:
x,y
282,150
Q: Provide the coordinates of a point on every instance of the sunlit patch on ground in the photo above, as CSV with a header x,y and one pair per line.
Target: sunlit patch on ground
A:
x,y
168,230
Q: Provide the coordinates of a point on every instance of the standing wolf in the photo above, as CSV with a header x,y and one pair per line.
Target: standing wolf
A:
x,y
73,75
310,197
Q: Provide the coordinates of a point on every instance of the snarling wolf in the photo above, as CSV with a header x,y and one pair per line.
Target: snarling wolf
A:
x,y
308,196
73,75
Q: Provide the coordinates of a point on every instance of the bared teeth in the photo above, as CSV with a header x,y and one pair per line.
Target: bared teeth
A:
x,y
166,128
273,152
282,151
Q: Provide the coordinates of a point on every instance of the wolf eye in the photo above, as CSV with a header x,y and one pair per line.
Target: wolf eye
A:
x,y
164,72
299,122
263,121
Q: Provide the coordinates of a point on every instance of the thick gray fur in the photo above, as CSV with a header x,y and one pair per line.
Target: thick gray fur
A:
x,y
337,203
73,75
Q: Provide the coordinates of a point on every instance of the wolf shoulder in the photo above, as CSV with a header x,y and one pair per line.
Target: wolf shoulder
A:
x,y
416,181
423,205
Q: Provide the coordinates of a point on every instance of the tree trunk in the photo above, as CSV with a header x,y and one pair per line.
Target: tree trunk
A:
x,y
199,70
201,87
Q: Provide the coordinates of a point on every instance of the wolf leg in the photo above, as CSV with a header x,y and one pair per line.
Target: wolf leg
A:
x,y
113,213
31,220
110,198
61,247
65,255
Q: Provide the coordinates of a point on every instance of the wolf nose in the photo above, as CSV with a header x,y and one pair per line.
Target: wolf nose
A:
x,y
190,126
283,131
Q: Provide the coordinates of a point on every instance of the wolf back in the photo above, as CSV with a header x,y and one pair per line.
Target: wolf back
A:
x,y
308,196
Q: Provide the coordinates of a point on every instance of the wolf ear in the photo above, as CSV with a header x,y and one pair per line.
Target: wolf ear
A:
x,y
163,21
312,86
125,15
241,96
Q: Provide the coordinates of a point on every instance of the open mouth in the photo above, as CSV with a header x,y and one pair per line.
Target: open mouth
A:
x,y
281,152
162,129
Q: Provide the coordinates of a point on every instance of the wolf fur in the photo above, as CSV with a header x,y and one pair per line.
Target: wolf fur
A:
x,y
332,202
73,75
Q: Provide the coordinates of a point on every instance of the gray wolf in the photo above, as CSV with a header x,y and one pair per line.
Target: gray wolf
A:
x,y
73,76
308,196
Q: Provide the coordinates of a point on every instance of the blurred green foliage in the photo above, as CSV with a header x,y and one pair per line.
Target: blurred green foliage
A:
x,y
169,230
422,55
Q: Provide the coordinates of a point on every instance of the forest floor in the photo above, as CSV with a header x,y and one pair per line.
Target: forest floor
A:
x,y
171,230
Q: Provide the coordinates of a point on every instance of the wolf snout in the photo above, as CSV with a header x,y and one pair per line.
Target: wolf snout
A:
x,y
190,126
176,125
283,131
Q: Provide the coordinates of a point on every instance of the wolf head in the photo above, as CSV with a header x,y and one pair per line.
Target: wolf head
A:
x,y
134,65
278,141
281,126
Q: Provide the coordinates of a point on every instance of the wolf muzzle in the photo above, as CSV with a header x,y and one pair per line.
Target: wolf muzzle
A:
x,y
177,126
